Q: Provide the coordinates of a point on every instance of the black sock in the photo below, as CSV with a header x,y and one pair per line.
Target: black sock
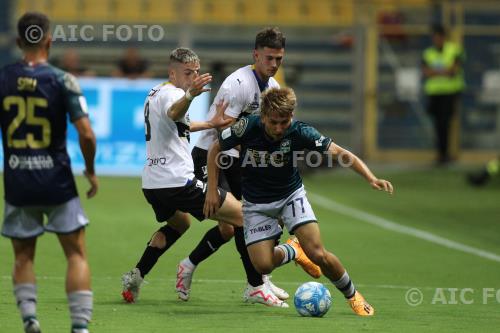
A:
x,y
151,254
209,244
253,277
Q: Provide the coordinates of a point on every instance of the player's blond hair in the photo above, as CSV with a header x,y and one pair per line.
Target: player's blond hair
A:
x,y
281,101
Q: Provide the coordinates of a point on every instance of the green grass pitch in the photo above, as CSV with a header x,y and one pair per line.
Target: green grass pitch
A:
x,y
383,264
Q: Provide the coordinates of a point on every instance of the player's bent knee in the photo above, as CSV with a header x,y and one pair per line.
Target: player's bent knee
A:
x,y
226,230
317,255
263,267
158,240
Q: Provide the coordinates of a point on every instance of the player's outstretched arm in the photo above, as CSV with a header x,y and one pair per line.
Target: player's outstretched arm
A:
x,y
360,167
180,107
216,121
212,199
87,141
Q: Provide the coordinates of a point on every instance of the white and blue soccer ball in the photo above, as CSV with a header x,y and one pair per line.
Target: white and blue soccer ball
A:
x,y
312,299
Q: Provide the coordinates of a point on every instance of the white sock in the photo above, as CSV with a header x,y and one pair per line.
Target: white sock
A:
x,y
26,299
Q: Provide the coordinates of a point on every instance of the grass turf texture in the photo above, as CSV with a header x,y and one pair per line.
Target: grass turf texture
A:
x,y
382,263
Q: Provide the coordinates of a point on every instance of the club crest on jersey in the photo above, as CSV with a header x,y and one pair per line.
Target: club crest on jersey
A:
x,y
240,126
255,104
285,146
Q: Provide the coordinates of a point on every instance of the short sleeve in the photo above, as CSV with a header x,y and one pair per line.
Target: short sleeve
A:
x,y
233,136
167,97
312,139
231,91
76,104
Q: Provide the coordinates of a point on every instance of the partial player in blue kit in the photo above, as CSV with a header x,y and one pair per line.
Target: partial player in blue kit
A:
x,y
37,99
272,188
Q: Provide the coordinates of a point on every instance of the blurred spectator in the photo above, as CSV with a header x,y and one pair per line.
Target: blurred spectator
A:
x,y
481,177
444,81
70,62
132,65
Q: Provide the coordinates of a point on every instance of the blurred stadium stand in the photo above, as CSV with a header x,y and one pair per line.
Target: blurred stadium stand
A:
x,y
353,63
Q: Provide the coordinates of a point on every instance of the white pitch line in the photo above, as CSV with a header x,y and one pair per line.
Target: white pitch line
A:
x,y
381,222
224,281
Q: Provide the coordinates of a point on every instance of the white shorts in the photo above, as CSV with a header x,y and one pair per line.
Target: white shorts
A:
x,y
28,221
260,221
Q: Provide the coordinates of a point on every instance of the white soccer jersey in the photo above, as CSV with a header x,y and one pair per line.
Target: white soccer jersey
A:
x,y
242,91
168,160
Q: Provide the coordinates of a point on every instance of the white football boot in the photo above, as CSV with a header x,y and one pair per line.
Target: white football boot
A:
x,y
263,295
32,326
131,282
185,271
280,293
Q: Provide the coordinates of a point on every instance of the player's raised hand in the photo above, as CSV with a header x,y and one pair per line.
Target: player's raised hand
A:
x,y
218,120
199,82
94,184
212,203
382,185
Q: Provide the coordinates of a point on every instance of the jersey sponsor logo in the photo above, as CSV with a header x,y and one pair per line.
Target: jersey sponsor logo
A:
x,y
226,133
239,127
153,161
263,228
239,81
71,84
285,146
37,162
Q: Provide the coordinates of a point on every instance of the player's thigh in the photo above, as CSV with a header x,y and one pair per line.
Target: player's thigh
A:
x,y
309,237
22,222
180,221
66,218
260,222
73,243
261,254
230,211
24,249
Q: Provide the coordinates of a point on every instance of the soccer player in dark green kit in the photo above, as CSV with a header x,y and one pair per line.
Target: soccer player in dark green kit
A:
x,y
272,188
37,99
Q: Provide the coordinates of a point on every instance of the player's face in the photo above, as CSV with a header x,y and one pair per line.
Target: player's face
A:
x,y
276,125
267,61
184,74
438,40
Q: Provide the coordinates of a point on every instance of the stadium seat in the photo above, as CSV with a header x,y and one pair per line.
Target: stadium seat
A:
x,y
31,5
96,10
161,11
255,12
214,11
128,11
289,12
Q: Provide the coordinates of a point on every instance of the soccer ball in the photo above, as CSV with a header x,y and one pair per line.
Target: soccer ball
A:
x,y
312,299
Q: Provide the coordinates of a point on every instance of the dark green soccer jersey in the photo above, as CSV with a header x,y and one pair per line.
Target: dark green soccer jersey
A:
x,y
269,168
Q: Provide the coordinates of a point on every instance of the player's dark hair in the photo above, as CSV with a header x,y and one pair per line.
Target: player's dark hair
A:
x,y
270,37
278,100
32,29
438,29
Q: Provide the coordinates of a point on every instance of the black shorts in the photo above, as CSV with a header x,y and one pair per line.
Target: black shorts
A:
x,y
229,179
189,199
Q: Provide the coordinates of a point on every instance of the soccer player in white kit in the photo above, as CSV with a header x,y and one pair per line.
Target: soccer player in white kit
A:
x,y
168,180
242,89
